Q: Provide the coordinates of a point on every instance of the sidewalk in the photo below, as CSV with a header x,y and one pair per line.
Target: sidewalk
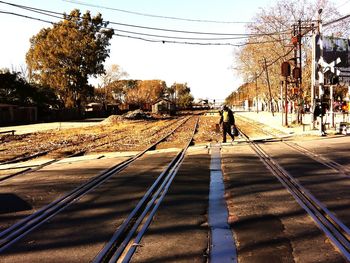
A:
x,y
277,122
40,127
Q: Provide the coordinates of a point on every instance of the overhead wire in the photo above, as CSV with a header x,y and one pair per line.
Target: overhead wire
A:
x,y
194,32
169,39
155,16
271,63
177,37
197,43
25,16
48,12
158,36
177,42
165,38
33,9
336,20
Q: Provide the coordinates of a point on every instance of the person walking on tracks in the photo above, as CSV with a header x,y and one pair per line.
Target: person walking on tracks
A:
x,y
226,120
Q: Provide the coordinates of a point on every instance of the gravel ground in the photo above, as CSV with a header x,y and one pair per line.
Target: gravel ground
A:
x,y
111,135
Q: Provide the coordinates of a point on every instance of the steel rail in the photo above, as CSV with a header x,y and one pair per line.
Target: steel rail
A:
x,y
38,167
334,228
134,227
255,124
25,158
17,231
321,159
317,157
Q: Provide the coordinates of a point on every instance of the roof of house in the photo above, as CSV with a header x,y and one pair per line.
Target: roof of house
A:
x,y
162,99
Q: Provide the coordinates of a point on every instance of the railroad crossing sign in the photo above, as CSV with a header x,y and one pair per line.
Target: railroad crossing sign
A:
x,y
327,67
330,66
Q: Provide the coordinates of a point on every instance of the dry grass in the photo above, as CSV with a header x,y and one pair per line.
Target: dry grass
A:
x,y
113,134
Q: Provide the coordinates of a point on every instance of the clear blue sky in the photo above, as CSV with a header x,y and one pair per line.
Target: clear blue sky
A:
x,y
206,69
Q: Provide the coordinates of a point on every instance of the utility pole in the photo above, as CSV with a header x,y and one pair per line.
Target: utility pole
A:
x,y
297,71
285,72
268,84
299,42
299,81
285,102
295,48
281,94
256,92
313,69
320,69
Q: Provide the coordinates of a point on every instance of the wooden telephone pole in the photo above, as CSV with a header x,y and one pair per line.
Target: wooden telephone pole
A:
x,y
268,83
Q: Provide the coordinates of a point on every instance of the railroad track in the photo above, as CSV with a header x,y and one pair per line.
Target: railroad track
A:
x,y
124,242
155,194
317,157
75,154
332,226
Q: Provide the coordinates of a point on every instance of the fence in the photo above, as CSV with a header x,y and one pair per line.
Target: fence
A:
x,y
12,114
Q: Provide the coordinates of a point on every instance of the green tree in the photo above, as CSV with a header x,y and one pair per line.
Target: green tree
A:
x,y
65,56
180,93
185,100
14,89
146,91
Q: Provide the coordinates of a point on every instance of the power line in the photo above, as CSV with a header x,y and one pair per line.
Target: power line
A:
x,y
159,36
33,9
194,43
273,62
194,32
336,20
177,37
177,42
48,13
24,16
155,16
164,40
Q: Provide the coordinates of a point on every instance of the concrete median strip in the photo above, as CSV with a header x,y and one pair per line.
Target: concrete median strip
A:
x,y
222,245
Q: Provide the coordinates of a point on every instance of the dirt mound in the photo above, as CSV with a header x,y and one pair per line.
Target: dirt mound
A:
x,y
137,115
131,115
113,119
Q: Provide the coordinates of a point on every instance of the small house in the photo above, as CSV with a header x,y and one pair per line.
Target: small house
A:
x,y
163,106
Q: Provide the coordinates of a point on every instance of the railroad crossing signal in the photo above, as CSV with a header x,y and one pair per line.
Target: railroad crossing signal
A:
x,y
285,69
294,91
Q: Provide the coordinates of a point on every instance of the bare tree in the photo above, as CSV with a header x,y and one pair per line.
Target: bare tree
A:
x,y
270,38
